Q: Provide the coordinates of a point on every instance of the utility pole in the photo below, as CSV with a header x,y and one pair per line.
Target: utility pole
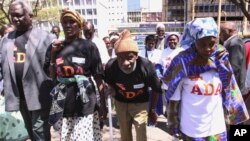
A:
x,y
164,10
245,20
193,9
219,14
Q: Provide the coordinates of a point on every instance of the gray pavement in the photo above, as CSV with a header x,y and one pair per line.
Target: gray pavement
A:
x,y
157,133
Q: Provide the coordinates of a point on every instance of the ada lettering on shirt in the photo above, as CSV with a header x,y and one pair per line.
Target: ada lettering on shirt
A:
x,y
129,94
209,88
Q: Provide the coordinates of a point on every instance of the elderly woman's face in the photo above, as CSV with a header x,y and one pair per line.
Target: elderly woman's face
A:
x,y
206,46
70,27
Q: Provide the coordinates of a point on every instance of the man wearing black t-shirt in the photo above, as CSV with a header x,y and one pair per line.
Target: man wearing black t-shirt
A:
x,y
131,76
26,86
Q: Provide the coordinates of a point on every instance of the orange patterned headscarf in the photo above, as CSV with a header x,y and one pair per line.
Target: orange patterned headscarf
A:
x,y
73,14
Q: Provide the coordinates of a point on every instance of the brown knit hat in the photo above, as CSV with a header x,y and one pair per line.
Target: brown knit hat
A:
x,y
125,43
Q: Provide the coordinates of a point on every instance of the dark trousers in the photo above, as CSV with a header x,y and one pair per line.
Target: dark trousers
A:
x,y
36,123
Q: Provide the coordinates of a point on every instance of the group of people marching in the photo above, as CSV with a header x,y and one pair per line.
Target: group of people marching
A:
x,y
64,83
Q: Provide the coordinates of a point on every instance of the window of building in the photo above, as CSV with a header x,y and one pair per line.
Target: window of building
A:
x,y
226,8
90,20
89,2
95,21
216,7
78,10
196,8
233,8
83,11
89,12
77,2
94,2
94,12
82,2
206,8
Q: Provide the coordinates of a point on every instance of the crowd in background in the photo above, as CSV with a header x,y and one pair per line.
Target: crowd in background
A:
x,y
199,80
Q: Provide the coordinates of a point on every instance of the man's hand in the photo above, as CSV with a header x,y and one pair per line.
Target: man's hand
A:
x,y
109,90
102,112
152,115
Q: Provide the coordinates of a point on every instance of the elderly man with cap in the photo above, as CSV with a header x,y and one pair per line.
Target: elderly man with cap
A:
x,y
130,76
160,35
202,86
76,61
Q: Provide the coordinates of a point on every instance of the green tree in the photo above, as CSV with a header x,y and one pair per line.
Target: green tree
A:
x,y
4,18
50,14
44,10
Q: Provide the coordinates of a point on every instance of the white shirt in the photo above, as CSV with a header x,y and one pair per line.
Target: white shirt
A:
x,y
166,57
154,55
201,110
102,49
113,53
160,44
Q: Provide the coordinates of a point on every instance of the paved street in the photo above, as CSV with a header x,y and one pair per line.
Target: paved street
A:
x,y
157,133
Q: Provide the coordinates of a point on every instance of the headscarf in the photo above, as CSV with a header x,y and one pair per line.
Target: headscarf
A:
x,y
189,63
171,34
73,14
197,29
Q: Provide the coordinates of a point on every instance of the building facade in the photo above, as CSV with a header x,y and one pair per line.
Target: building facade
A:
x,y
186,10
117,11
94,11
144,11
